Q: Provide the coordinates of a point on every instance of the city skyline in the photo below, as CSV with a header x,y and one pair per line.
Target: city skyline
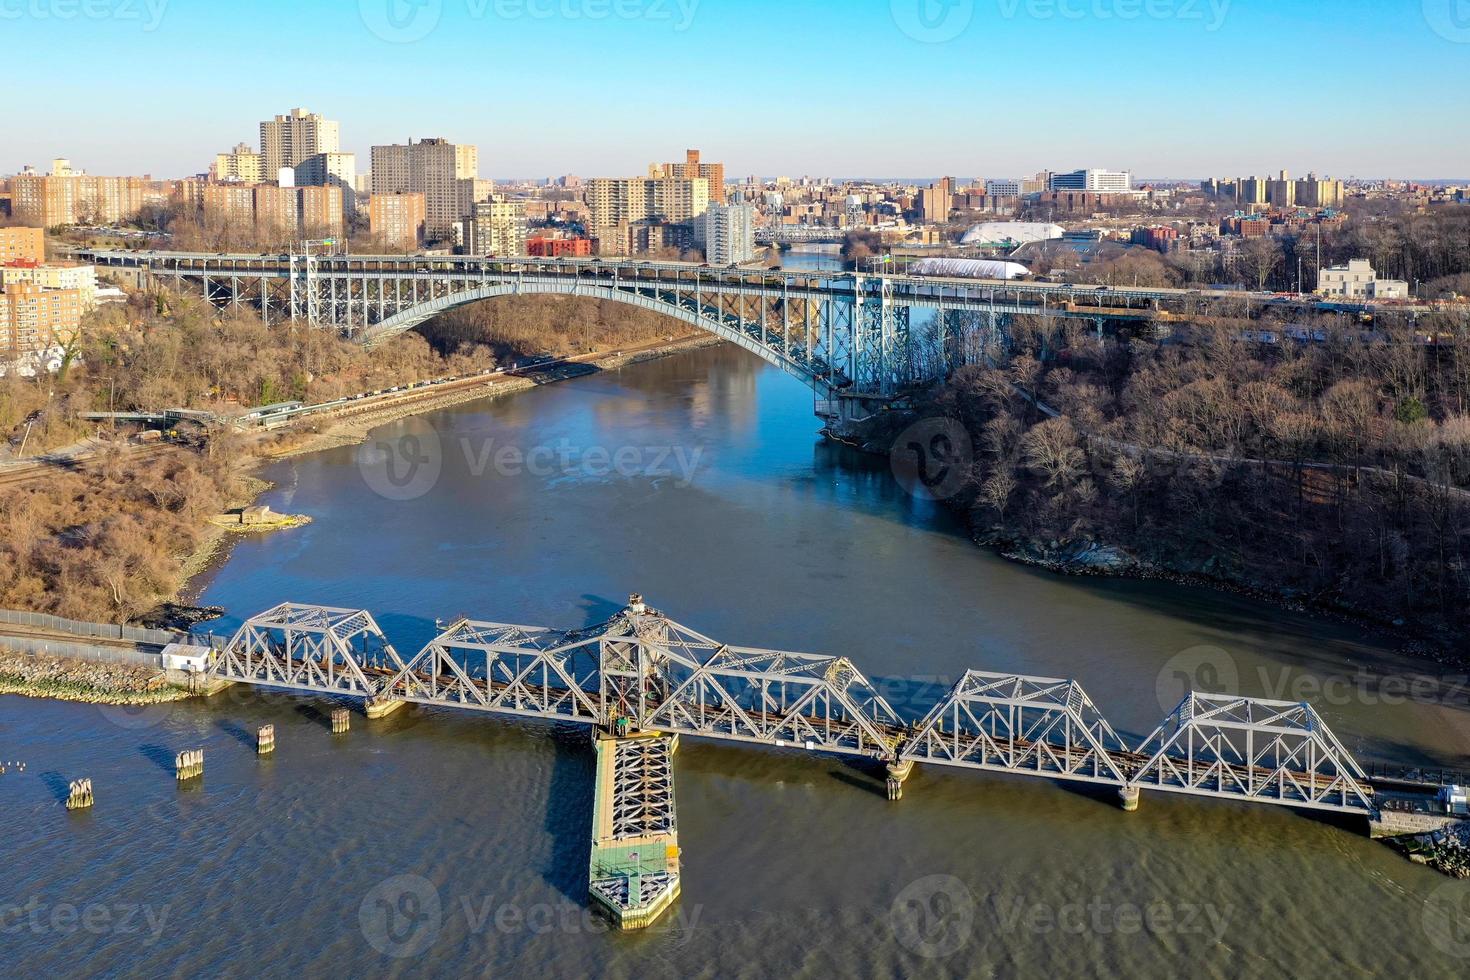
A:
x,y
988,88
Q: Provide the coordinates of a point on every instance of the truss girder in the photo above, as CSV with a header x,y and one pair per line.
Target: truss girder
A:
x,y
309,648
1013,723
648,670
1253,749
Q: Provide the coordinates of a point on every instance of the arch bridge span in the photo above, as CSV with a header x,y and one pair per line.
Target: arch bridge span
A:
x,y
856,339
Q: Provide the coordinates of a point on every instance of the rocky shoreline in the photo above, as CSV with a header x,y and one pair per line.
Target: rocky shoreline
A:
x,y
1446,851
89,682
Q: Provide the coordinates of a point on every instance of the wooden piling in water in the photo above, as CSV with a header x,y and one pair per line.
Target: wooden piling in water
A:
x,y
80,796
189,764
265,740
341,719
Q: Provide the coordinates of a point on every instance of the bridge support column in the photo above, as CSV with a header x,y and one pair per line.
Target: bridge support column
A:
x,y
381,707
897,773
1128,798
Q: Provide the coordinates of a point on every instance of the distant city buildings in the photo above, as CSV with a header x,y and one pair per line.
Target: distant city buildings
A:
x,y
1280,192
397,220
938,201
550,247
284,212
446,173
496,227
714,173
726,233
241,165
289,140
629,215
337,170
1098,181
71,197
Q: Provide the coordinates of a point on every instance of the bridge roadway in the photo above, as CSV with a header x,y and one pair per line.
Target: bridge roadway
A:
x,y
641,671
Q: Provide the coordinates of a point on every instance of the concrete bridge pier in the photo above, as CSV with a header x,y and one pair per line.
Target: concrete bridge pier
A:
x,y
1128,798
897,773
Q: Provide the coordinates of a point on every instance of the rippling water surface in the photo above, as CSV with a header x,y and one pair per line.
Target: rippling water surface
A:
x,y
794,865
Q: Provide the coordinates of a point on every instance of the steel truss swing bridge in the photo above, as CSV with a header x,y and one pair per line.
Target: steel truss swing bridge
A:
x,y
643,671
856,339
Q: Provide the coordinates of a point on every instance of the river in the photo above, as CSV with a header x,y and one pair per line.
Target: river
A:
x,y
728,511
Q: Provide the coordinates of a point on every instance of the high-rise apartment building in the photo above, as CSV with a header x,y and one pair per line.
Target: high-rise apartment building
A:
x,y
241,165
445,173
397,220
22,244
624,200
1281,192
287,141
76,277
68,197
691,168
331,170
1251,190
1315,193
307,212
496,227
726,233
938,200
33,319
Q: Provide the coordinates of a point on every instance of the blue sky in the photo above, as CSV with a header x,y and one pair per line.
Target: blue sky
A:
x,y
865,87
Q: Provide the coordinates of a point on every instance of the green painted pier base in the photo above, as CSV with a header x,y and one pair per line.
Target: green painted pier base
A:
x,y
633,875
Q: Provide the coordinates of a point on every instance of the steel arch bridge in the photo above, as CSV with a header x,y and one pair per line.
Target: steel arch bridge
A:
x,y
643,670
854,338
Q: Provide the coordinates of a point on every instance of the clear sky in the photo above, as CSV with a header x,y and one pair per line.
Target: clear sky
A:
x,y
917,88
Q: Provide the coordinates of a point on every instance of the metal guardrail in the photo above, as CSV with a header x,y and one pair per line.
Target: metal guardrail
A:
x,y
106,631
